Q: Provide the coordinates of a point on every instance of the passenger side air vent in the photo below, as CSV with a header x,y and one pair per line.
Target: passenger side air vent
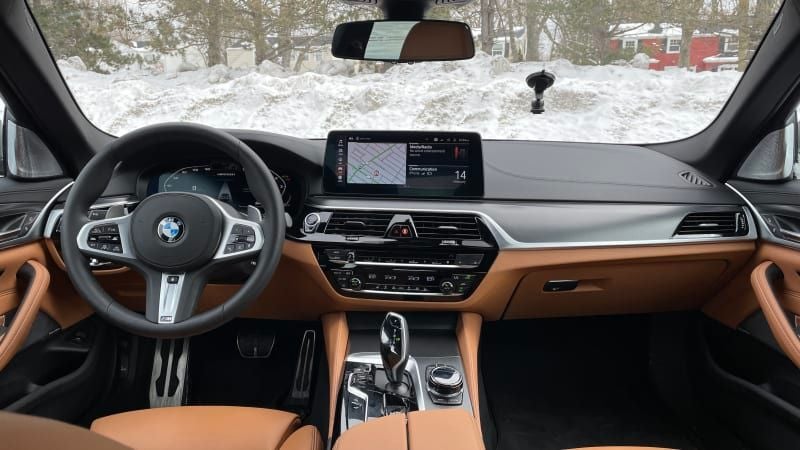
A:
x,y
358,223
695,179
446,226
729,223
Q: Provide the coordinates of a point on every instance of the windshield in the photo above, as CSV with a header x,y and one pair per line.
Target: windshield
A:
x,y
630,71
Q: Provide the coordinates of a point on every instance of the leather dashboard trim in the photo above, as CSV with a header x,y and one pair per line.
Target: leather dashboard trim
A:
x,y
300,291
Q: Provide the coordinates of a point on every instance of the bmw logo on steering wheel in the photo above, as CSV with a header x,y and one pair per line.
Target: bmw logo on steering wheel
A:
x,y
170,229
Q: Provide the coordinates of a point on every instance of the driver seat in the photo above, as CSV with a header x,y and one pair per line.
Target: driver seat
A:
x,y
209,427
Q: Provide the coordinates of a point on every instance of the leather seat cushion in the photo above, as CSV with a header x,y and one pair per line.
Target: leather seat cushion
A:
x,y
202,427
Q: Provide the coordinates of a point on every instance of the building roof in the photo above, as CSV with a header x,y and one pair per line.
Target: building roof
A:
x,y
659,30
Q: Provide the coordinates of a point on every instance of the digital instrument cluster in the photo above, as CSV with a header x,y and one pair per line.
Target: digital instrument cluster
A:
x,y
224,181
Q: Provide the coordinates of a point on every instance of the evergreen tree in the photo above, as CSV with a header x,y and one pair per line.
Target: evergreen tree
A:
x,y
84,29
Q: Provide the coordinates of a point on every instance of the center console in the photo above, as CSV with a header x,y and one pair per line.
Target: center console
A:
x,y
417,367
395,254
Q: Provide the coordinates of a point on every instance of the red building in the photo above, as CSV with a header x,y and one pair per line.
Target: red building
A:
x,y
662,43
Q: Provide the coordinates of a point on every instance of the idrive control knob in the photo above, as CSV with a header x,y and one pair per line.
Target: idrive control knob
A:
x,y
445,382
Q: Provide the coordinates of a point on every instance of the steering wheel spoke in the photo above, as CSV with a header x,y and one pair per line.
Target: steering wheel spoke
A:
x,y
241,237
172,297
108,240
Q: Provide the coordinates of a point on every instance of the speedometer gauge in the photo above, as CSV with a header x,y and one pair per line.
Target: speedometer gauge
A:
x,y
281,184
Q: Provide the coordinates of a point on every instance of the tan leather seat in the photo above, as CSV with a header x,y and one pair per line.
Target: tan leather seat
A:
x,y
441,429
208,427
23,432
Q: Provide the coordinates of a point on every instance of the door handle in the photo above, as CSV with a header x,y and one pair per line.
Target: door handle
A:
x,y
37,278
789,234
763,279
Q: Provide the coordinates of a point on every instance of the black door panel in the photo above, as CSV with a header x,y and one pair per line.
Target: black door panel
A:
x,y
62,375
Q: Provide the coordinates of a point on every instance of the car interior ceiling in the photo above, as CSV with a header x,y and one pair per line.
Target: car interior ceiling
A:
x,y
570,306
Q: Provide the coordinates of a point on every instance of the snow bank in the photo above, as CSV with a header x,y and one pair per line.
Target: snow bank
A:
x,y
587,103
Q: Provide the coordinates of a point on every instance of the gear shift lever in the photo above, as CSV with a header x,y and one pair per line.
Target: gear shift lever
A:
x,y
394,351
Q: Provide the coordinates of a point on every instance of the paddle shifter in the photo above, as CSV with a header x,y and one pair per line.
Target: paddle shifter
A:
x,y
394,351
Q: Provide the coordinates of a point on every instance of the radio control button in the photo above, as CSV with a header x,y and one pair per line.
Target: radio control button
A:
x,y
355,283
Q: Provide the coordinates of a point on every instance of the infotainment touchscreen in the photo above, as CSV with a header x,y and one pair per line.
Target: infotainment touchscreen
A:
x,y
426,164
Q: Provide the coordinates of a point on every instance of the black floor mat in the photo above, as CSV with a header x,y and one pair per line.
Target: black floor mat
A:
x,y
219,375
565,383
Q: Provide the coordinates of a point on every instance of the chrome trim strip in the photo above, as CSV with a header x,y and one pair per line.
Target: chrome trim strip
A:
x,y
768,235
507,242
360,394
400,293
413,266
169,297
752,207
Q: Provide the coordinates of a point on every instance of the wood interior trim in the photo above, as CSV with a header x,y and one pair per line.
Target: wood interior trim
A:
x,y
337,336
468,335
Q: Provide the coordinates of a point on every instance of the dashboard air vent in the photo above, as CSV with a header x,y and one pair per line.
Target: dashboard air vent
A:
x,y
695,179
447,226
728,223
358,223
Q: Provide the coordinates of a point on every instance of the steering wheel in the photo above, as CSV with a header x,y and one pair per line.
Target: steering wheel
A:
x,y
174,239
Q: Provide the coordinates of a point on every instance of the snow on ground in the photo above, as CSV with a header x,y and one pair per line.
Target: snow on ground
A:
x,y
485,94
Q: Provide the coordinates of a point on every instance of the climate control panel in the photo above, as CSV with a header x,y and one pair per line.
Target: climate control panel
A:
x,y
422,274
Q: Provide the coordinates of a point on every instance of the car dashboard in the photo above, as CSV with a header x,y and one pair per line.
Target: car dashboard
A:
x,y
502,228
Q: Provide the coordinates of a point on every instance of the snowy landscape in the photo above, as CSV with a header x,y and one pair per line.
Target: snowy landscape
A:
x,y
608,103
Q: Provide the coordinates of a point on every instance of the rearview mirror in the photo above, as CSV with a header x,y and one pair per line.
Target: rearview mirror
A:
x,y
403,41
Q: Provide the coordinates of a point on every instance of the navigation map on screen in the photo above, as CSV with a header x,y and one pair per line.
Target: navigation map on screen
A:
x,y
376,163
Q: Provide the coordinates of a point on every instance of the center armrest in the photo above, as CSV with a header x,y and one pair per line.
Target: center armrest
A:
x,y
419,430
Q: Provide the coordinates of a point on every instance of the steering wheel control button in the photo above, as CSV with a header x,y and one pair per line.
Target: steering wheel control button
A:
x,y
242,237
104,238
173,279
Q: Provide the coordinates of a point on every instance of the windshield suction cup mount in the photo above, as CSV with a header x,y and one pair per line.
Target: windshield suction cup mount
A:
x,y
539,82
